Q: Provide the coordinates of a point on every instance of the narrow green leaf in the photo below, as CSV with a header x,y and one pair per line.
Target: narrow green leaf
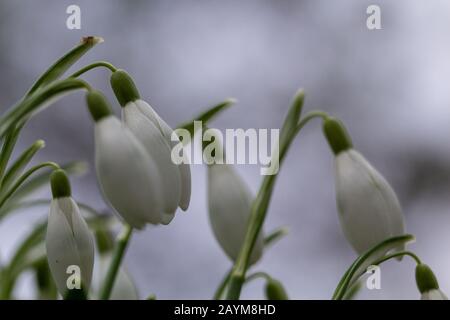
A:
x,y
353,291
360,265
64,63
76,168
292,118
8,147
19,165
15,202
38,101
206,116
275,236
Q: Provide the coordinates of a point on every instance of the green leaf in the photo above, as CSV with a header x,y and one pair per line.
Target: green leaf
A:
x,y
38,101
292,118
19,165
76,168
275,236
8,146
360,265
206,116
15,202
351,293
64,63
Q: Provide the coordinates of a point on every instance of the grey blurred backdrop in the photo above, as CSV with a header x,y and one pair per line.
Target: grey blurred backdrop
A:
x,y
390,86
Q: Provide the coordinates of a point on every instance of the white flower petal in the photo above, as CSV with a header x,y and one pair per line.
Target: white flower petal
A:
x,y
167,218
159,150
369,209
229,209
434,294
68,242
166,130
128,176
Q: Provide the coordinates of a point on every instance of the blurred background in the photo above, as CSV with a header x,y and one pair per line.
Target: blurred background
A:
x,y
389,86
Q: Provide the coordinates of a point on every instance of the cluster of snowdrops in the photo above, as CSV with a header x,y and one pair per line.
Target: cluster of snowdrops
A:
x,y
144,186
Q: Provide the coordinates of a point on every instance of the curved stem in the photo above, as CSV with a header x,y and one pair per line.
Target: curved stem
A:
x,y
257,275
309,116
119,251
399,254
25,177
93,66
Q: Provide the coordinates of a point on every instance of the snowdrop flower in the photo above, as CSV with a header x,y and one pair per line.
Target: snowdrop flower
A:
x,y
230,203
428,284
128,176
156,137
369,211
69,243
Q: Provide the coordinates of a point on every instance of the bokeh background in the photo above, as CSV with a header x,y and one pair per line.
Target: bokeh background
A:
x,y
390,86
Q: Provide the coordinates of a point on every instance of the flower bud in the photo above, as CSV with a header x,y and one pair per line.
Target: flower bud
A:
x,y
275,290
428,284
336,135
69,243
98,106
369,211
124,87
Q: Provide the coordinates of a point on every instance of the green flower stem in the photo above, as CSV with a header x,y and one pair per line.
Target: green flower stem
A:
x,y
269,240
119,251
259,211
258,275
222,286
24,177
359,266
93,66
309,116
398,254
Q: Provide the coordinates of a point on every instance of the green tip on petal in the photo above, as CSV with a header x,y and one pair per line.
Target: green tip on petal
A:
x,y
275,290
98,105
425,278
60,184
337,135
124,87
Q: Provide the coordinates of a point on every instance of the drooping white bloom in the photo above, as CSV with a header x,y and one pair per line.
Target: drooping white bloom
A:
x,y
69,243
428,284
156,137
128,176
230,203
369,211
